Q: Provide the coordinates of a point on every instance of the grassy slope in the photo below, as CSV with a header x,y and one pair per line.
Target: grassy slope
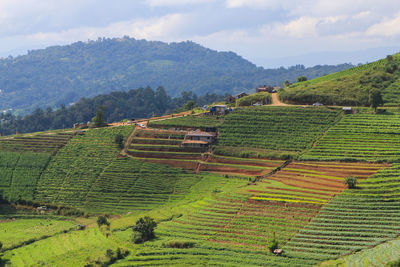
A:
x,y
348,87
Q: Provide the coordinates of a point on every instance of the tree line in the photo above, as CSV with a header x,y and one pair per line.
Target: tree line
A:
x,y
118,105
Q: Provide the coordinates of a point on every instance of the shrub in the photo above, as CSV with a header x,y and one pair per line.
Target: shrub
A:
x,y
119,140
179,244
302,79
351,182
144,230
102,220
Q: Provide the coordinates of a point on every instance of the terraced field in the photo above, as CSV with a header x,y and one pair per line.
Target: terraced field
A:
x,y
191,121
365,137
45,143
73,171
131,185
310,182
353,220
276,128
22,161
163,147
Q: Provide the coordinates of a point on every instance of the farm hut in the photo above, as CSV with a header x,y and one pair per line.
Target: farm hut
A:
x,y
219,109
347,110
208,137
242,94
317,104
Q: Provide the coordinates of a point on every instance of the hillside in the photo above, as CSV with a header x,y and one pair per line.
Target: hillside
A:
x,y
63,74
350,87
273,173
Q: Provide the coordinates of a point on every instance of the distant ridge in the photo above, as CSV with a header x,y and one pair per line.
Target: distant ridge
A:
x,y
63,74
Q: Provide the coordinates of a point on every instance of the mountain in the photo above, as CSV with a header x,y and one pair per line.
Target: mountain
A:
x,y
63,74
352,86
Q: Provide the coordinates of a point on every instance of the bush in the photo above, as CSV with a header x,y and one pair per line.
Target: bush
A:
x,y
351,182
102,220
119,140
179,244
273,244
301,79
143,230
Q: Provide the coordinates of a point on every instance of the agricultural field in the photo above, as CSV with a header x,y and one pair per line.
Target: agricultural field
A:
x,y
132,185
360,137
72,172
15,233
191,121
276,128
310,182
23,158
354,220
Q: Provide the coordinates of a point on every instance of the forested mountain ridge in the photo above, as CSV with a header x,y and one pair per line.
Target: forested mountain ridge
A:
x,y
63,74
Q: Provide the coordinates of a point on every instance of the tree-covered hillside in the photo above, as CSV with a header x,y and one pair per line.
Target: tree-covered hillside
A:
x,y
351,87
118,105
63,74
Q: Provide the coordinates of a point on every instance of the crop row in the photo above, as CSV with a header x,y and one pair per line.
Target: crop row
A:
x,y
276,128
365,137
354,220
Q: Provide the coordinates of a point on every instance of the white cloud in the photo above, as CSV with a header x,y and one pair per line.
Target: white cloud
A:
x,y
387,27
163,28
176,2
253,3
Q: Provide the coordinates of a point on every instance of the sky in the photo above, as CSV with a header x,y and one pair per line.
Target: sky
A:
x,y
269,33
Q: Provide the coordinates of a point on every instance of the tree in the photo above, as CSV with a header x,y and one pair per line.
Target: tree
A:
x,y
189,105
144,230
351,182
98,120
273,244
301,79
375,98
102,220
286,83
119,140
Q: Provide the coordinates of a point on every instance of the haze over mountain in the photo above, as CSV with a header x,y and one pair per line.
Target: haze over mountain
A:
x,y
63,74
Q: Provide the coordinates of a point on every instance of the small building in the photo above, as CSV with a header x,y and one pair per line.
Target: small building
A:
x,y
347,110
317,104
264,88
194,144
242,94
219,109
208,137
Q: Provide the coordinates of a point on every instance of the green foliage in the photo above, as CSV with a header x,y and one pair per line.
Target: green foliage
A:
x,y
63,74
351,182
119,140
144,230
273,244
375,98
301,79
393,264
189,105
102,220
98,120
261,98
179,244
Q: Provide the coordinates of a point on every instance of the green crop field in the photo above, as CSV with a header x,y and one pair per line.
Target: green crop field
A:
x,y
276,128
191,121
72,172
366,137
354,220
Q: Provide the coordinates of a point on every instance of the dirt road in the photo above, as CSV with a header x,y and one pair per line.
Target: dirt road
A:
x,y
276,101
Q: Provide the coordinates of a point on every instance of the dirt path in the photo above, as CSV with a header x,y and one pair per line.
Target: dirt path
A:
x,y
276,101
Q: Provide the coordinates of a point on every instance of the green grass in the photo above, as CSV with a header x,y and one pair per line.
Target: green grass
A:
x,y
18,232
348,87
